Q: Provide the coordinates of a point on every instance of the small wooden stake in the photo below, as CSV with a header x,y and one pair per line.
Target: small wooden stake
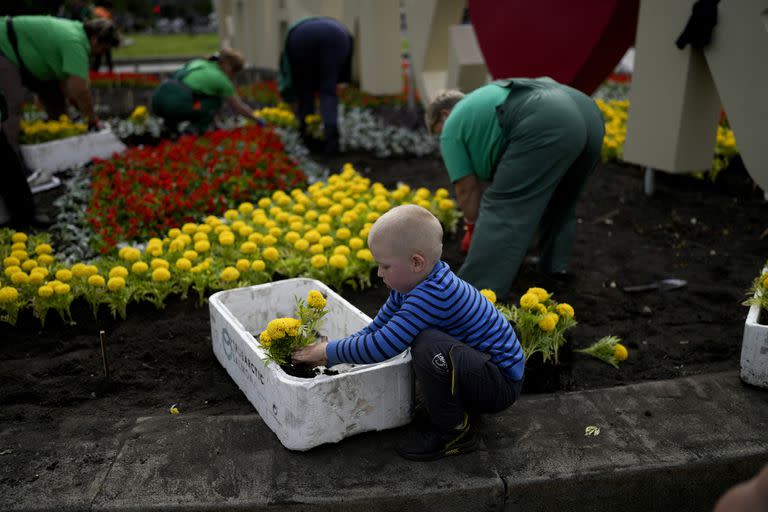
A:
x,y
104,354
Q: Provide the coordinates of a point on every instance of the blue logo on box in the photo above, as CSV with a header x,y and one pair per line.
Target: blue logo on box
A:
x,y
227,344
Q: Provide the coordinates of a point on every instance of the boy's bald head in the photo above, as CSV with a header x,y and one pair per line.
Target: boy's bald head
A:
x,y
411,229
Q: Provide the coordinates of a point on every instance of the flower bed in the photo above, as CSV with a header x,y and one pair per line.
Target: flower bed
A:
x,y
145,191
101,79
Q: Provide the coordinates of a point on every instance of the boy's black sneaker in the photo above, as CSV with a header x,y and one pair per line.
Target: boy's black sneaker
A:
x,y
433,445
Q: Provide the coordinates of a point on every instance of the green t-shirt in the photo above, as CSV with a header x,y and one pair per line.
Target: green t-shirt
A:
x,y
206,77
471,140
51,48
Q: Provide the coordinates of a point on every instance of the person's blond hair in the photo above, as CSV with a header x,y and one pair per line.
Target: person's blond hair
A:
x,y
413,229
233,58
443,100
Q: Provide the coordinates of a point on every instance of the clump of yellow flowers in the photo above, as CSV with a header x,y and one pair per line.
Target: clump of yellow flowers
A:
x,y
758,293
280,115
540,322
615,116
35,132
319,232
139,115
284,335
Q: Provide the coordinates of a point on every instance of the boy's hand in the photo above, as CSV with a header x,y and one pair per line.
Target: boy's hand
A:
x,y
312,355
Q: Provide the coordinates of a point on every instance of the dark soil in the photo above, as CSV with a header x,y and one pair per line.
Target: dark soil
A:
x,y
708,234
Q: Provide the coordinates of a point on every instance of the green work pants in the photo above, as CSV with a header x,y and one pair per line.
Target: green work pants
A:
x,y
553,135
175,102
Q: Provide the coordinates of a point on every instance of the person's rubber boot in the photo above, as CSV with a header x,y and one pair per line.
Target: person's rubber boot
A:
x,y
433,445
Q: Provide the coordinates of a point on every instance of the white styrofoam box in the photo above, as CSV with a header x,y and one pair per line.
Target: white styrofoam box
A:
x,y
754,349
58,155
305,413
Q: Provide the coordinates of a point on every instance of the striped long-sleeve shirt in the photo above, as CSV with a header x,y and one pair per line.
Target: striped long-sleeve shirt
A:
x,y
441,301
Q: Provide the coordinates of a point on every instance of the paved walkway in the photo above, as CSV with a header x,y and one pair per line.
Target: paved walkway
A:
x,y
669,445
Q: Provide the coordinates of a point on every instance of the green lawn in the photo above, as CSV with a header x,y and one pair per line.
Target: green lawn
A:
x,y
146,45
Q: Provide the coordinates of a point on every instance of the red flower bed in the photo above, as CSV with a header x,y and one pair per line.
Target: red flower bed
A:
x,y
109,79
145,191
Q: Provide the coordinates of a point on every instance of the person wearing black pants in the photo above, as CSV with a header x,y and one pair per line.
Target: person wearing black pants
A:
x,y
457,381
317,56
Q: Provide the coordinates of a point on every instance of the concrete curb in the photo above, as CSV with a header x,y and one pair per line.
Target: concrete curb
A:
x,y
669,445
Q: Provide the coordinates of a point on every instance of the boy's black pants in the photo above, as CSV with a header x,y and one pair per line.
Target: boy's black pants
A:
x,y
456,379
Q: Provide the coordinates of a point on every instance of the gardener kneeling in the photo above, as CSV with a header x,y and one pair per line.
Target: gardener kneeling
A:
x,y
195,93
466,356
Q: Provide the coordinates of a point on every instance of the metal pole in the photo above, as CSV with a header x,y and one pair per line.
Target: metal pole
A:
x,y
649,181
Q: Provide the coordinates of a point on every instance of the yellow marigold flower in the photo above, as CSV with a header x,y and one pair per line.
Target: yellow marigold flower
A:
x,y
315,299
446,204
265,339
159,263
64,275
161,275
19,255
189,228
338,261
19,277
548,323
765,281
229,274
206,228
176,245
19,246
8,294
9,271
79,270
200,236
116,283
356,243
316,249
364,255
565,309
245,208
342,249
312,236
11,262
91,270
36,279
183,264
174,232
190,255
269,240
422,193
541,308
620,352
343,233
29,265
18,237
43,249
318,261
275,232
311,215
326,241
270,254
441,193
117,271
324,219
323,228
489,294
529,300
231,214
45,291
243,265
258,266
248,247
131,254
301,245
226,238
202,246
45,259
96,281
39,270
540,293
139,267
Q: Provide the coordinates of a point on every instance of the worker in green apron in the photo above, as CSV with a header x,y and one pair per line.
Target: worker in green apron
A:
x,y
519,152
196,92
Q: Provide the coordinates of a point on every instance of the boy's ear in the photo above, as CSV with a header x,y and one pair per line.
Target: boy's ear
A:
x,y
418,262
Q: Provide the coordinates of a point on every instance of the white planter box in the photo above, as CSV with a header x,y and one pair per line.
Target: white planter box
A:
x,y
62,154
754,349
307,412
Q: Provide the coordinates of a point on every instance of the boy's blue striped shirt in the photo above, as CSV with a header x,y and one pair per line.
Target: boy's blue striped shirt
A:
x,y
441,301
